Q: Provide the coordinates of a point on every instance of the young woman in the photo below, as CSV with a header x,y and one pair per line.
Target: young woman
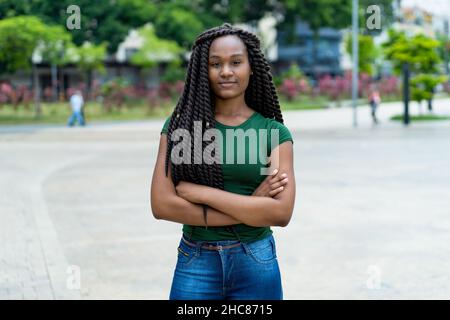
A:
x,y
226,206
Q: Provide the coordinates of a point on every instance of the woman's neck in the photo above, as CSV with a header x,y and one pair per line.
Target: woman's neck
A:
x,y
231,107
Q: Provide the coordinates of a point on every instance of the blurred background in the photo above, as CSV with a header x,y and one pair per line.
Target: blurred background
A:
x,y
371,215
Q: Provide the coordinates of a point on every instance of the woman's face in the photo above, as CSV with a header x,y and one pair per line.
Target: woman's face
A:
x,y
228,67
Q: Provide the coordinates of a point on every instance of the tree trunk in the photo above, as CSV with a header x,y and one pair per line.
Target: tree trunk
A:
x,y
54,71
88,84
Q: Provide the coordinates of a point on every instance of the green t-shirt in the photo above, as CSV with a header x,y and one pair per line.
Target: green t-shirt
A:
x,y
242,178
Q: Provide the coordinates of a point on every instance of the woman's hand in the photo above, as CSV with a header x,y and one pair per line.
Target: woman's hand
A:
x,y
191,192
272,185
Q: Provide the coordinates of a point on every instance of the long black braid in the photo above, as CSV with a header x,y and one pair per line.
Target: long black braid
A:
x,y
197,102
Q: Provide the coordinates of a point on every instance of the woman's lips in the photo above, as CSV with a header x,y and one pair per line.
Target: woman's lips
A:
x,y
227,85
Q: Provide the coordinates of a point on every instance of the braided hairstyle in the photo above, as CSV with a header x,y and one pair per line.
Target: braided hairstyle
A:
x,y
197,102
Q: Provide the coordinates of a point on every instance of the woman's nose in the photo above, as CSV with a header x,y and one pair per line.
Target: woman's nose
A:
x,y
226,71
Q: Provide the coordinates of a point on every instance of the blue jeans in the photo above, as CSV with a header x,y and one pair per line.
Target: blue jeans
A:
x,y
76,116
249,271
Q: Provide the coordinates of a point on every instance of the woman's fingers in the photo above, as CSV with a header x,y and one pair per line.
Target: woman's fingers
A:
x,y
276,191
279,176
278,184
273,184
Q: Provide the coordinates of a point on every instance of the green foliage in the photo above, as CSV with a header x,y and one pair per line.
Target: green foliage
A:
x,y
101,21
422,117
154,49
178,24
423,86
117,83
293,72
57,41
58,113
88,57
20,36
237,11
173,73
329,13
444,46
419,51
368,52
110,20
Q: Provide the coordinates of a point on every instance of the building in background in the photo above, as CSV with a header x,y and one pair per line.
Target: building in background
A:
x,y
314,57
69,76
414,20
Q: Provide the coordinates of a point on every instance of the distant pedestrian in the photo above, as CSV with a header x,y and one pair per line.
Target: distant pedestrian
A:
x,y
374,101
76,104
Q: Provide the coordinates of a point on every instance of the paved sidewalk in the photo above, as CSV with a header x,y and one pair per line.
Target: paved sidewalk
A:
x,y
371,218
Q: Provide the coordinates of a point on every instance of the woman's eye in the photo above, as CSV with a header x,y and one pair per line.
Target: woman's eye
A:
x,y
216,64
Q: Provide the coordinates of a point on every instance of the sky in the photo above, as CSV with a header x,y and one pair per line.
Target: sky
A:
x,y
438,7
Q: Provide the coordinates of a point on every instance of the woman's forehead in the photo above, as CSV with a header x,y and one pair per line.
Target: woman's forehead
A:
x,y
227,46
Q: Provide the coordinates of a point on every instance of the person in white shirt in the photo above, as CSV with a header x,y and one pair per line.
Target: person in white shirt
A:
x,y
76,104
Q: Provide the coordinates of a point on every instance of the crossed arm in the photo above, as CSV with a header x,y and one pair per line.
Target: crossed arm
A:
x,y
182,203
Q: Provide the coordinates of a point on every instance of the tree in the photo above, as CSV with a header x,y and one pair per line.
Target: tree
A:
x,y
238,11
110,20
423,87
57,40
178,24
418,55
155,50
21,36
420,52
101,21
368,52
88,57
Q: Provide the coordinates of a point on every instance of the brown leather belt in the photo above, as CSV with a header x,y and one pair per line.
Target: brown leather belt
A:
x,y
211,247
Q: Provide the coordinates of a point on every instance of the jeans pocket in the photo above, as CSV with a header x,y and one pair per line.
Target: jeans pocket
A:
x,y
186,254
264,253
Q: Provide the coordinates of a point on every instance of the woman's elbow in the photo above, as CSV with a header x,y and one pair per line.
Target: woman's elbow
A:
x,y
159,208
283,218
157,212
284,222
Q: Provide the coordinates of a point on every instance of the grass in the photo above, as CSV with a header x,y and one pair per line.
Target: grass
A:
x,y
421,117
58,113
305,103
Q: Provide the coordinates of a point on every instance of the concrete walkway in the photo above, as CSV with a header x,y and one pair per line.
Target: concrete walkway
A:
x,y
371,220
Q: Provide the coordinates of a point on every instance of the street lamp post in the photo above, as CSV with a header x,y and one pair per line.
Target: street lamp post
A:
x,y
406,93
447,71
355,60
36,58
